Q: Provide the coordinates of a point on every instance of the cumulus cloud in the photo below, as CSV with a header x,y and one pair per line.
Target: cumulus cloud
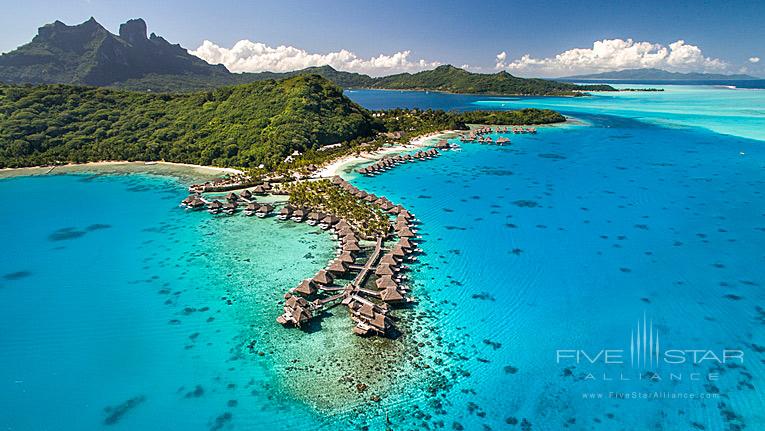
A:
x,y
754,59
248,56
615,54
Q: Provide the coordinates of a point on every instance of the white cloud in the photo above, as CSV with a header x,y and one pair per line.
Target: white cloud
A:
x,y
615,54
501,57
754,59
248,56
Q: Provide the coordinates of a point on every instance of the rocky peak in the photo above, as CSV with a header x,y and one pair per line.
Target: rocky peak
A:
x,y
133,31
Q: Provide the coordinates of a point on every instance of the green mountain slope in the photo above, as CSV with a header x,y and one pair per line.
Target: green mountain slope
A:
x,y
89,54
455,80
246,125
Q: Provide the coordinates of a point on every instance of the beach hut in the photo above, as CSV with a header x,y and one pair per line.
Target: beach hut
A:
x,y
306,287
336,180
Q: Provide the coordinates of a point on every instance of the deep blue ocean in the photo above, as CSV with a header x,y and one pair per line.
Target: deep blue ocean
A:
x,y
121,311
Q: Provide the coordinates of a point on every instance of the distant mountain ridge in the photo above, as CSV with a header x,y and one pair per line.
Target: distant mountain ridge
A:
x,y
649,74
89,54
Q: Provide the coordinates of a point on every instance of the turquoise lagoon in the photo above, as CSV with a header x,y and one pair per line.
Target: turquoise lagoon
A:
x,y
122,311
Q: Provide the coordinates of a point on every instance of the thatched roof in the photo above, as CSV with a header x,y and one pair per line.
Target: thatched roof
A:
x,y
306,287
323,277
338,267
351,246
346,257
384,269
405,233
391,295
385,282
388,259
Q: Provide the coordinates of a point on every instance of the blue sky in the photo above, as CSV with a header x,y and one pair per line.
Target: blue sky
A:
x,y
470,33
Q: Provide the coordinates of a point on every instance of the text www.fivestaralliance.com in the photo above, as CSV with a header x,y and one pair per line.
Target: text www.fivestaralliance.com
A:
x,y
650,395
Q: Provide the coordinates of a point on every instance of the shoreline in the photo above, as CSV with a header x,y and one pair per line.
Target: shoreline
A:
x,y
338,166
117,166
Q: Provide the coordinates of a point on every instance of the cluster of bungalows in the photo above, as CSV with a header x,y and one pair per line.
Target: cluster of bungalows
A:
x,y
231,182
388,163
232,203
368,303
524,130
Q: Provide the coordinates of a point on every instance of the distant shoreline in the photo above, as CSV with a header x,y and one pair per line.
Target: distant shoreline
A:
x,y
158,167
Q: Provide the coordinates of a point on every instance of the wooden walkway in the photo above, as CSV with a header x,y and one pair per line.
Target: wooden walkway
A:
x,y
372,261
354,286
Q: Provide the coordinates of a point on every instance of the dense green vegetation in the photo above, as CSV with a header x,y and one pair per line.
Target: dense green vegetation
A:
x,y
247,125
443,78
455,80
368,220
241,126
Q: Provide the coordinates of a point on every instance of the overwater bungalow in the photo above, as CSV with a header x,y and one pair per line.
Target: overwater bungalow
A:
x,y
264,210
246,194
346,257
298,215
385,281
229,207
314,217
306,287
232,197
389,259
338,267
405,233
385,269
323,278
259,190
405,243
214,207
285,213
297,311
196,203
351,237
250,209
337,180
391,295
398,252
328,222
351,246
